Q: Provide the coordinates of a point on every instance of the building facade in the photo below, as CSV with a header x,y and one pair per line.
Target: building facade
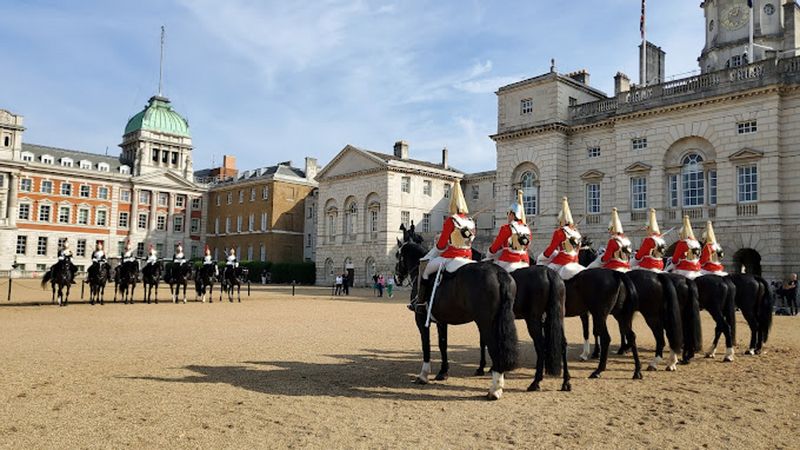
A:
x,y
719,146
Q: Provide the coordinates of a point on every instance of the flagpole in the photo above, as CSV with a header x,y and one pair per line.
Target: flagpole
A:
x,y
751,56
643,56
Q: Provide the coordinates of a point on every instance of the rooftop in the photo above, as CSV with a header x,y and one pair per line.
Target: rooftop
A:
x,y
158,116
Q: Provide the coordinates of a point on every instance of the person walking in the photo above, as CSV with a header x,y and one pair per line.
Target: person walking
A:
x,y
381,284
789,293
346,283
389,285
338,288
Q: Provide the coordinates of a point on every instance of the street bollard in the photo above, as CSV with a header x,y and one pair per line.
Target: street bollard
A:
x,y
9,287
83,287
293,285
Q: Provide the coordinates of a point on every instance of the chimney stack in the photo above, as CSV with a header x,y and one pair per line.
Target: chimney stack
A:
x,y
401,149
621,83
444,158
581,76
311,168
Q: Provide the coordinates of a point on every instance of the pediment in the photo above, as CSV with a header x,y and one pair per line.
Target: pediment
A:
x,y
638,167
593,174
746,154
350,160
165,180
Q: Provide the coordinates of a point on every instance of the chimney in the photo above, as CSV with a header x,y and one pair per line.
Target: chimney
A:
x,y
229,162
401,149
621,83
444,158
791,33
581,76
311,168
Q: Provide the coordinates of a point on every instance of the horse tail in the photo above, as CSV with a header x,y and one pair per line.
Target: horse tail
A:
x,y
631,302
695,331
554,324
504,330
764,309
730,307
47,277
672,314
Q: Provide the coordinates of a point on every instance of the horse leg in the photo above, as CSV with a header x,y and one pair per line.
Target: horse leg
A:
x,y
481,370
425,336
624,345
719,329
754,344
239,293
605,339
565,385
184,291
535,330
631,335
443,372
586,350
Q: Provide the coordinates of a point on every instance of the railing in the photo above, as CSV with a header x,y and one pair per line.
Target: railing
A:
x,y
693,213
747,209
593,219
637,216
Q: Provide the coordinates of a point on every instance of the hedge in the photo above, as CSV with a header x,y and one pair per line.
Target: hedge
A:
x,y
301,272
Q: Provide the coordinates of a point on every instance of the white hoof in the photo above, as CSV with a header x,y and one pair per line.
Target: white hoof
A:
x,y
422,378
655,362
495,395
750,351
184,301
728,354
586,351
672,365
498,383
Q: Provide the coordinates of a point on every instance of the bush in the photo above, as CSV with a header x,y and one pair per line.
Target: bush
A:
x,y
301,272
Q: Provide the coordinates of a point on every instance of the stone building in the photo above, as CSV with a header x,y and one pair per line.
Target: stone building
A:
x,y
363,198
261,212
721,146
146,194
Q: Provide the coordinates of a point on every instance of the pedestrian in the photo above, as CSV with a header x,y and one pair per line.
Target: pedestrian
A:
x,y
264,276
381,283
346,284
789,293
338,289
375,283
389,285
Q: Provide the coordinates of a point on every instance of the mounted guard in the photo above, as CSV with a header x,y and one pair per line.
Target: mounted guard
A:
x,y
711,254
684,260
562,253
128,255
453,249
231,260
65,254
650,255
208,260
152,258
617,253
510,248
179,258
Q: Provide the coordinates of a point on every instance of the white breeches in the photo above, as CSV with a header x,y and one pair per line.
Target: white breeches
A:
x,y
511,266
690,274
567,271
720,273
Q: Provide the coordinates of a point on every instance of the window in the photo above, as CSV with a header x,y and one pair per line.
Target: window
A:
x,y
639,143
216,225
195,225
426,187
251,222
373,220
83,216
672,187
164,156
64,214
85,191
331,226
494,190
124,218
177,224
103,167
44,213
693,180
125,170
125,195
238,224
80,247
526,106
573,101
41,246
26,156
593,198
712,187
155,155
405,218
102,193
161,222
24,211
61,242
638,193
66,189
180,201
262,252
218,200
26,185
174,158
47,159
447,190
241,196
476,193
736,61
263,221
163,199
120,247
253,194
101,217
140,250
67,162
230,197
426,222
249,252
308,241
747,183
46,187
405,184
22,244
593,152
747,127
143,219
227,225
196,203
530,193
144,197
85,164
160,248
265,193
350,218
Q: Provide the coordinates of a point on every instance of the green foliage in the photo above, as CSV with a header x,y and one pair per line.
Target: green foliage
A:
x,y
282,273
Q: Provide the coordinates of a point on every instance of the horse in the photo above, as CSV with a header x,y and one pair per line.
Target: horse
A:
x,y
59,275
232,279
717,295
151,276
480,292
126,277
178,275
754,300
204,278
98,275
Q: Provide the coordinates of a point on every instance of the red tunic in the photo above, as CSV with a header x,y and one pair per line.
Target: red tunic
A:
x,y
705,260
562,258
508,254
644,255
679,258
444,244
608,259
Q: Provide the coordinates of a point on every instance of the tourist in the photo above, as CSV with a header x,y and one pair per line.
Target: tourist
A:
x,y
338,287
345,284
789,293
389,285
381,283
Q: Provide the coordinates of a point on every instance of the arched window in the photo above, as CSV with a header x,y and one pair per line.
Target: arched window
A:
x,y
693,180
530,193
350,218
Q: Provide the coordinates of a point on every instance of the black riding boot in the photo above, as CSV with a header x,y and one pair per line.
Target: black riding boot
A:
x,y
420,302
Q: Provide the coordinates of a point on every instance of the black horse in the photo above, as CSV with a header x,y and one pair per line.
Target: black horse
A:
x,y
151,277
178,275
125,278
60,276
204,279
98,275
754,300
232,279
479,292
717,295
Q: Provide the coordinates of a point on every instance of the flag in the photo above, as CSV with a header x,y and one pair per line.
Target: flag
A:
x,y
641,20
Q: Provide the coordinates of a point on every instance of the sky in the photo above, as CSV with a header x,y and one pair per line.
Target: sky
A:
x,y
271,81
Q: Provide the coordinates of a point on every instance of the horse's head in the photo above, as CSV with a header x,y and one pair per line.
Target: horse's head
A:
x,y
587,254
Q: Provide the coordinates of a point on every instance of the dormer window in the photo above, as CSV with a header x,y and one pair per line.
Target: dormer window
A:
x,y
47,159
125,170
85,164
27,156
66,162
103,167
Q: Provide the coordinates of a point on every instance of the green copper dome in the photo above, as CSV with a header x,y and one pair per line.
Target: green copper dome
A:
x,y
159,116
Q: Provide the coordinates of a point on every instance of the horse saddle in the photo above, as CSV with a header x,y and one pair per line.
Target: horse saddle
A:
x,y
456,263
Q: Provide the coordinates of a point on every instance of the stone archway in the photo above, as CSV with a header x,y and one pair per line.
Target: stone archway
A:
x,y
746,260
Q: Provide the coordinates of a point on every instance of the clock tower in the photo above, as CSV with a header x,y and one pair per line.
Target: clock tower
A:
x,y
727,27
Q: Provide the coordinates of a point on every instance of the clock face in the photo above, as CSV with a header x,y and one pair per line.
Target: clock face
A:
x,y
734,17
769,9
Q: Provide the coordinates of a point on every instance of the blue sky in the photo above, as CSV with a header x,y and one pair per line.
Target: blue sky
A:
x,y
272,81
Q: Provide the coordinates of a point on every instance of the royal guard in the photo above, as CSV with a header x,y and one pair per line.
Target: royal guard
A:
x,y
650,255
128,255
99,255
231,260
208,260
617,254
685,259
711,253
152,257
453,247
510,249
179,257
65,254
562,253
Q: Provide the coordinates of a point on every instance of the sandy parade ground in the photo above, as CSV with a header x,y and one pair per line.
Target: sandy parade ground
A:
x,y
314,371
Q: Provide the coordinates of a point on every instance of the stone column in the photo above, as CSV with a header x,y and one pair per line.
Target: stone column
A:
x,y
11,208
133,221
153,211
170,225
